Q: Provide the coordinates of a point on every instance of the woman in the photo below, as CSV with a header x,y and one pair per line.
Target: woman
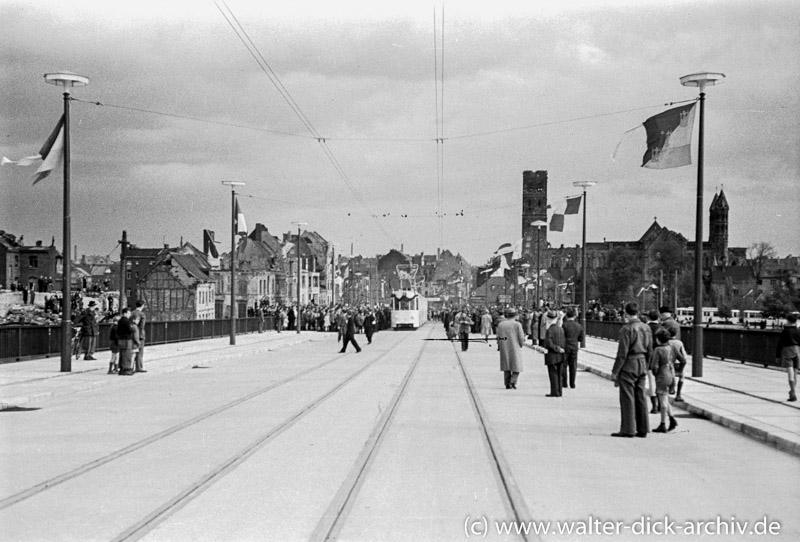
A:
x,y
486,324
663,368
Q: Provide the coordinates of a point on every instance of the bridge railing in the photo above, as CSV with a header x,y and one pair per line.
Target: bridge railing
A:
x,y
745,345
20,342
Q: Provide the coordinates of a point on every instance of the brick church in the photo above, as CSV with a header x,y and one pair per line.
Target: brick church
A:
x,y
563,264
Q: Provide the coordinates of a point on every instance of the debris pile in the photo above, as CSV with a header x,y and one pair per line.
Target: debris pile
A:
x,y
30,315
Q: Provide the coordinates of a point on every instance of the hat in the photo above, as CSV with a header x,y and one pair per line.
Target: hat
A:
x,y
92,303
664,309
552,314
511,311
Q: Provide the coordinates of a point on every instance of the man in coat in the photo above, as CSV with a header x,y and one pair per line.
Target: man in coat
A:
x,y
573,333
89,330
125,341
510,340
464,327
138,314
634,348
556,343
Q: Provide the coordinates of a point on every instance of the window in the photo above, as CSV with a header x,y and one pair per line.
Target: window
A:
x,y
33,262
128,275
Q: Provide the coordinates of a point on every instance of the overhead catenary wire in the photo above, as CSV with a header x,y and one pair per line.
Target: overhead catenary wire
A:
x,y
284,92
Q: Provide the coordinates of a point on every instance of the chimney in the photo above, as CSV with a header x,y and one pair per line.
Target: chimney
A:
x,y
38,243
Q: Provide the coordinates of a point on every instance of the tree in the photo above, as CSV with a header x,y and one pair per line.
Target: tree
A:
x,y
758,254
622,270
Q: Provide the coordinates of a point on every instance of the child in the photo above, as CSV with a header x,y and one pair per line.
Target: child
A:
x,y
113,367
680,354
662,365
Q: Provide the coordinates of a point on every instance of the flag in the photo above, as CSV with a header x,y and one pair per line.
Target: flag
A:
x,y
502,267
516,252
505,248
209,245
241,225
573,205
557,222
669,138
51,154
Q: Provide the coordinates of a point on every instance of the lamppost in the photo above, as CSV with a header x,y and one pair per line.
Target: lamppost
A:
x,y
538,224
700,80
584,185
233,185
297,248
66,80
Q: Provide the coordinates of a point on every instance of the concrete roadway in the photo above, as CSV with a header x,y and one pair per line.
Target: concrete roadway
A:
x,y
301,443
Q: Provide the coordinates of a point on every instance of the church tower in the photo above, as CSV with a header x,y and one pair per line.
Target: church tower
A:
x,y
534,207
718,228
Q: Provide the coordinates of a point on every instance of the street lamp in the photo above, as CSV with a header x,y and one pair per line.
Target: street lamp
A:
x,y
538,224
66,80
584,185
299,320
233,185
700,80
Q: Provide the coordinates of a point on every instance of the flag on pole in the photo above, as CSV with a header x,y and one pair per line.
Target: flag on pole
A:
x,y
51,154
573,205
241,225
669,138
557,222
516,253
209,245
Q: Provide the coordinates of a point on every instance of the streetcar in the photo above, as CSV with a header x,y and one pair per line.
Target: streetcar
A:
x,y
409,309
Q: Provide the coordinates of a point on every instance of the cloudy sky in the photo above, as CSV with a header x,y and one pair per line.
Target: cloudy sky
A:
x,y
516,85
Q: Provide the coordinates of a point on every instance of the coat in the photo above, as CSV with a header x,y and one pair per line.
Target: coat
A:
x,y
486,324
556,344
510,340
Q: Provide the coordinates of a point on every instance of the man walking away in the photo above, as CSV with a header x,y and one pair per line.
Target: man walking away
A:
x,y
510,340
556,343
573,333
635,347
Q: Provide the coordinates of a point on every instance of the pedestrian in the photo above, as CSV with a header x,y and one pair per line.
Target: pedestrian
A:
x,y
510,340
350,332
634,348
140,318
574,335
369,326
788,352
113,367
291,317
668,322
89,329
464,322
664,368
681,356
280,315
556,343
341,324
486,324
260,314
125,342
654,323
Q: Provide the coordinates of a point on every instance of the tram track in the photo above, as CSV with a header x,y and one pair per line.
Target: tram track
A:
x,y
180,500
75,473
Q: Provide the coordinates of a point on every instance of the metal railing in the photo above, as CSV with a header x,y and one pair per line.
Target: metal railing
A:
x,y
20,342
745,345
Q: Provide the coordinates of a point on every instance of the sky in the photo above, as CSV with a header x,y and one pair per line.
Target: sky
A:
x,y
349,145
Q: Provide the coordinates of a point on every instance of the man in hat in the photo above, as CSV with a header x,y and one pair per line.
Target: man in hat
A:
x,y
510,340
89,329
573,333
634,348
463,323
556,343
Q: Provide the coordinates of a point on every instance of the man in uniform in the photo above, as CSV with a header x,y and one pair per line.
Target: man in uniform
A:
x,y
635,346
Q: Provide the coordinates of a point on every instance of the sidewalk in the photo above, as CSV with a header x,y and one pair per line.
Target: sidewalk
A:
x,y
745,398
26,383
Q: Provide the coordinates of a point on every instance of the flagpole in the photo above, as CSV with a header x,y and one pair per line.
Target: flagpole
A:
x,y
700,80
538,224
298,316
584,185
66,80
233,185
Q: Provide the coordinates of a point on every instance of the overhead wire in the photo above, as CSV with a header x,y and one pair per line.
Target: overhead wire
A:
x,y
284,92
